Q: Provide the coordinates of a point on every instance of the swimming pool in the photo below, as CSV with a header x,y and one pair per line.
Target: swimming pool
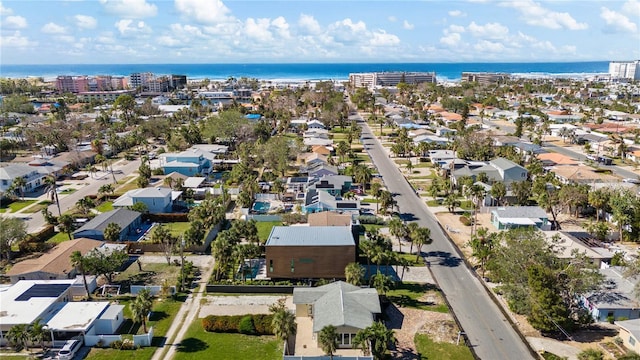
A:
x,y
261,207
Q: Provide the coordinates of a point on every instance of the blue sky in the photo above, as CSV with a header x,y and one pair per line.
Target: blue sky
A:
x,y
213,31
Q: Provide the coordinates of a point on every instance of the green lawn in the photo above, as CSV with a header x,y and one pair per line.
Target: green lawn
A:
x,y
369,200
264,229
58,238
162,316
411,258
199,344
434,203
105,206
18,205
428,349
408,295
68,191
177,228
126,187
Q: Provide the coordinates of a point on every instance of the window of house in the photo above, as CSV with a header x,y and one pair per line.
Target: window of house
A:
x,y
632,341
293,266
270,265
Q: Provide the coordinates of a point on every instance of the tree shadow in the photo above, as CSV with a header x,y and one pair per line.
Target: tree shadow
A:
x,y
443,258
191,345
158,341
129,327
158,315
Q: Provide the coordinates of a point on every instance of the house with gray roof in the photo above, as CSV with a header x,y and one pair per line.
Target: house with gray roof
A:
x,y
129,222
347,307
157,199
630,334
318,201
303,252
335,185
33,175
496,170
616,300
510,217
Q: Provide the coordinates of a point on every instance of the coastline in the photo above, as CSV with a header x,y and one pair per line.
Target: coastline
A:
x,y
301,72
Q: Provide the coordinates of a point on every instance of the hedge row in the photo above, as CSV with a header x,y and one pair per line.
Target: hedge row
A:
x,y
166,218
254,324
42,235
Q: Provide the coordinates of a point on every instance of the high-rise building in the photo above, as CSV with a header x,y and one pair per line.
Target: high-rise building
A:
x,y
158,84
371,80
72,84
140,80
178,81
629,70
483,78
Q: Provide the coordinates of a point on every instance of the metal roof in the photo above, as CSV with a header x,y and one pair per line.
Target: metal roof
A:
x,y
122,217
310,236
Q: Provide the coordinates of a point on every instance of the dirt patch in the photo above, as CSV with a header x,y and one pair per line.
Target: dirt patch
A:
x,y
407,322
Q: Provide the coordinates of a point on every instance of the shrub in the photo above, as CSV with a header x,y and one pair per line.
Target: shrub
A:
x,y
465,221
611,319
371,219
128,344
246,326
262,323
116,344
157,171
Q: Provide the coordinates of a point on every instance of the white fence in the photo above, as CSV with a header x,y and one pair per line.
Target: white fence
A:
x,y
144,339
103,340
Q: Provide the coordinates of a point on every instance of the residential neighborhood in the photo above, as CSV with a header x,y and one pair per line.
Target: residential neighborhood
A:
x,y
317,219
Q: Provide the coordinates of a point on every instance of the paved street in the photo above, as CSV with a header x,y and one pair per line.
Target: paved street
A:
x,y
489,332
35,221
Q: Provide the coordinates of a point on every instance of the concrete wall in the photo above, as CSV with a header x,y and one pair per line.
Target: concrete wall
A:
x,y
308,261
92,340
144,339
629,341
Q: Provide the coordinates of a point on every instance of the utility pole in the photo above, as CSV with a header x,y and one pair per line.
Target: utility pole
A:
x,y
182,263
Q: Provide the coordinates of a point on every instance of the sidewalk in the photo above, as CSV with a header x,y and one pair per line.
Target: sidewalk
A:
x,y
187,313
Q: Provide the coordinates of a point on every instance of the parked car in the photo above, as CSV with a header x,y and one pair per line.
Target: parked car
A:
x,y
631,181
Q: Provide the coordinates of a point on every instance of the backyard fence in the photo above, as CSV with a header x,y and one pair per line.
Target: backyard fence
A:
x,y
144,339
103,340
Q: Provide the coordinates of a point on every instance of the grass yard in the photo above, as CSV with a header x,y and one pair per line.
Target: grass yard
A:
x,y
199,344
412,258
68,191
37,207
363,158
370,200
434,203
58,238
428,349
126,187
162,316
264,229
17,205
177,228
105,206
409,294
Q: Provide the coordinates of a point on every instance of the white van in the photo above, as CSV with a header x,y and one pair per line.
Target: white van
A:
x,y
69,349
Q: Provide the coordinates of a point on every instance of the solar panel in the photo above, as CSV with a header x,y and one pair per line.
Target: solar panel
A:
x,y
346,205
42,291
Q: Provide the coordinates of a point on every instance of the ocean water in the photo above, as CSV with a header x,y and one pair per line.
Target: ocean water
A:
x,y
335,71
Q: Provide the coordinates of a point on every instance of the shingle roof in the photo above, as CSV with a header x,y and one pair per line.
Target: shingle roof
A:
x,y
310,236
618,291
12,171
122,217
329,218
510,212
57,261
339,304
502,163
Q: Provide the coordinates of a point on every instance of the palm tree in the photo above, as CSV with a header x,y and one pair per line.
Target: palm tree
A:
x,y
399,230
386,200
140,308
422,236
106,189
482,244
168,181
85,204
381,282
451,202
52,188
412,228
65,224
375,339
354,273
328,340
376,188
18,184
79,263
38,332
477,193
19,336
283,323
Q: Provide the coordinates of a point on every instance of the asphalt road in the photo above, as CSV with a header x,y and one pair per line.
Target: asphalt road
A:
x,y
488,331
36,221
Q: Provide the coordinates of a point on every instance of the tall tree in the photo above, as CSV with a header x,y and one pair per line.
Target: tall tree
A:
x,y
354,273
105,263
112,232
65,224
140,308
52,188
79,262
283,323
18,184
328,340
161,235
599,199
381,282
375,339
18,335
13,230
498,192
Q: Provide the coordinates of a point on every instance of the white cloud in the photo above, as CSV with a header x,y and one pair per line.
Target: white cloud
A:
x,y
451,39
281,27
632,7
65,38
203,11
127,27
14,22
489,46
617,22
130,9
455,29
392,18
85,21
169,41
407,26
534,14
16,40
5,11
381,38
456,13
347,32
489,30
52,28
309,24
258,29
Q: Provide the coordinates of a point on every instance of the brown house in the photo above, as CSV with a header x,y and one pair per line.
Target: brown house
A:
x,y
294,252
329,218
54,265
